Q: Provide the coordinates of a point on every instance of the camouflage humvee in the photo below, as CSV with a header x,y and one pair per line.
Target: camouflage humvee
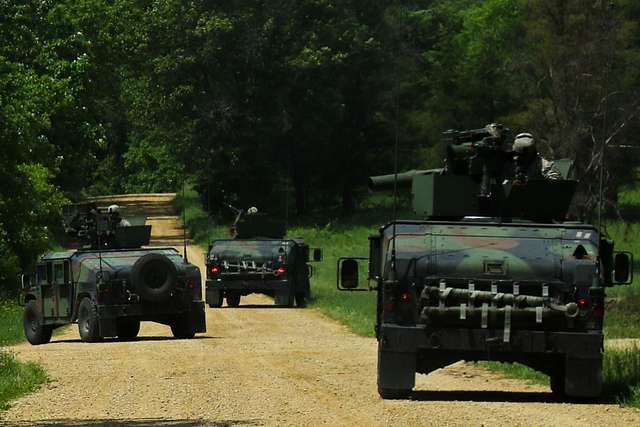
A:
x,y
259,260
111,285
494,272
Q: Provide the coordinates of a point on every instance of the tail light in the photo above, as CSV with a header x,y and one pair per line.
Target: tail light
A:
x,y
214,269
281,270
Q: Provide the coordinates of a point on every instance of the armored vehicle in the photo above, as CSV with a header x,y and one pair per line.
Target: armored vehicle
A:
x,y
259,259
111,284
493,272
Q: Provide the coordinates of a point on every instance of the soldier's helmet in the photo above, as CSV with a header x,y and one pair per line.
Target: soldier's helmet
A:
x,y
252,210
113,209
524,145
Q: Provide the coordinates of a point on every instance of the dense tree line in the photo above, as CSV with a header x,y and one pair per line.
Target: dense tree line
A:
x,y
277,102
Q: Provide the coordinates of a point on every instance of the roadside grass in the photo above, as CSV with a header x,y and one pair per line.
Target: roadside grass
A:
x,y
16,378
349,237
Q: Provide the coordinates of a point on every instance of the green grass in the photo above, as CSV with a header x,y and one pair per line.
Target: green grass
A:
x,y
16,378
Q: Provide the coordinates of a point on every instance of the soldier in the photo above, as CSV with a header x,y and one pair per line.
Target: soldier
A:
x,y
115,218
529,164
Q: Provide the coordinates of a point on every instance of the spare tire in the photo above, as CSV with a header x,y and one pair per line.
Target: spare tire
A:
x,y
153,277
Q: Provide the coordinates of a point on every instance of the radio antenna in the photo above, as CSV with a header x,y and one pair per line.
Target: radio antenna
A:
x,y
184,222
395,189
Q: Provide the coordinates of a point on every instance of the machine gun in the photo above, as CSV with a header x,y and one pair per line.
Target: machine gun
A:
x,y
96,228
248,224
478,179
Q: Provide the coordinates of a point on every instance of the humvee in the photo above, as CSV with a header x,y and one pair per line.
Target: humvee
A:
x,y
494,271
111,284
259,259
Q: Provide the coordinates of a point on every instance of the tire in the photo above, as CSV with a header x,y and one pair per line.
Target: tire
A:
x,y
284,299
301,300
88,326
127,328
233,299
154,277
557,382
182,328
35,332
393,394
215,299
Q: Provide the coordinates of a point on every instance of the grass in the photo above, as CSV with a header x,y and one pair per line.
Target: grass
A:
x,y
16,378
348,237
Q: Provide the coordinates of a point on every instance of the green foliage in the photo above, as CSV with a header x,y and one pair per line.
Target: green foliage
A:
x,y
17,379
10,323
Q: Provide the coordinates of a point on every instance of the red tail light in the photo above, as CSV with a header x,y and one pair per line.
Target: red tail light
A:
x,y
404,297
582,302
215,269
281,270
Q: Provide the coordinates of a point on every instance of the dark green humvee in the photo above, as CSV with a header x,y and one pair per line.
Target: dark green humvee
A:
x,y
111,285
259,260
493,272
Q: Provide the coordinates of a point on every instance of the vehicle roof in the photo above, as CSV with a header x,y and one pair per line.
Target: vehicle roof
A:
x,y
485,223
66,254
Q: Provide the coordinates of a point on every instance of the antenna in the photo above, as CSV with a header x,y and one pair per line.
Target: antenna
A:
x,y
184,222
395,190
99,251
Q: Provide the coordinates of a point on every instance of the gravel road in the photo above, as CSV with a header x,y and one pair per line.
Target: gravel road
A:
x,y
259,365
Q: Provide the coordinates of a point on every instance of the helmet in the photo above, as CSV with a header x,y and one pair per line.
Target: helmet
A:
x,y
113,209
252,210
524,144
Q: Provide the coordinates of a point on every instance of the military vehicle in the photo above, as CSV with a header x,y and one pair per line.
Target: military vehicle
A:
x,y
492,272
259,259
111,284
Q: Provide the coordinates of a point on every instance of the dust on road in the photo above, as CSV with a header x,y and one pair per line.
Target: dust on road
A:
x,y
259,365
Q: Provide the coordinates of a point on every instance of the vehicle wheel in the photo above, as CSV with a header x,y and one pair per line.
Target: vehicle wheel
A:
x,y
233,299
127,328
215,299
88,321
301,300
182,328
393,394
557,381
34,330
284,299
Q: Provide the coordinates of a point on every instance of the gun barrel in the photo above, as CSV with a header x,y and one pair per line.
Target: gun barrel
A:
x,y
382,182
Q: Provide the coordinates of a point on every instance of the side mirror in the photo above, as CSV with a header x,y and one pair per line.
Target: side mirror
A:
x,y
623,268
317,254
349,274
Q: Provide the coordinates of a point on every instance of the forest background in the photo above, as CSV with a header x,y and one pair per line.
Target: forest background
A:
x,y
290,105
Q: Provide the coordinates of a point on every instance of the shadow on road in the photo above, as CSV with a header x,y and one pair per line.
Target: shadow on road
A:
x,y
492,396
146,339
140,422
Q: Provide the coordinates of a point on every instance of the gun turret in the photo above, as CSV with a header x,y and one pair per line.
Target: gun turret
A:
x,y
96,228
478,180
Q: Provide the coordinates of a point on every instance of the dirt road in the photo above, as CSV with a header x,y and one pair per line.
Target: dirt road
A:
x,y
259,365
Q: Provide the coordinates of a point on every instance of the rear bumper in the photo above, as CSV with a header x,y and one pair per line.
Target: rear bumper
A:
x,y
489,344
247,285
107,314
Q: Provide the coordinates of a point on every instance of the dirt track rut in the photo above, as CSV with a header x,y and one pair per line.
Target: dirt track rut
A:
x,y
259,365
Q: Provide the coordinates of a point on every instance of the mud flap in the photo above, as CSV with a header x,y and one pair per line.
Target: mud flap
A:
x,y
583,377
396,371
197,315
107,327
